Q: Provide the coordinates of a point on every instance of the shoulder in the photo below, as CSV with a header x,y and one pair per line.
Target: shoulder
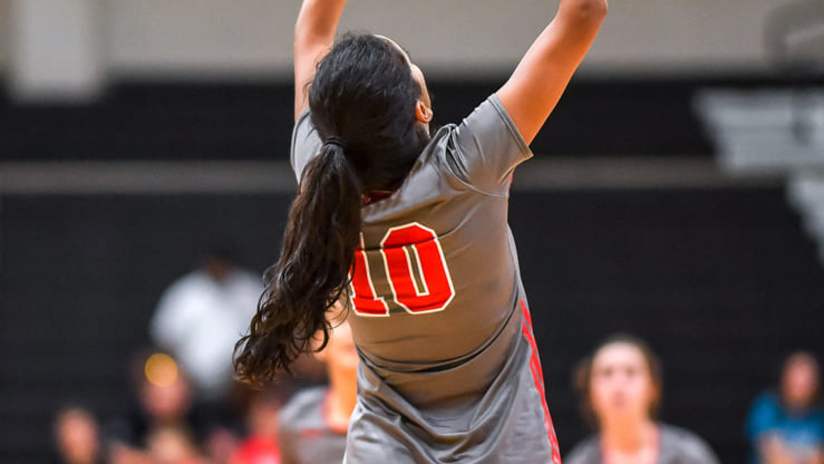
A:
x,y
767,399
486,147
766,404
686,444
303,126
185,286
305,143
241,278
587,451
304,406
490,119
194,278
765,414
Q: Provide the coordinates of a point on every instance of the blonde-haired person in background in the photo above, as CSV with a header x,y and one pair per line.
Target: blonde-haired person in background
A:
x,y
620,386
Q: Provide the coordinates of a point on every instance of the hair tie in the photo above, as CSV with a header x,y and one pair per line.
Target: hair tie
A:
x,y
337,141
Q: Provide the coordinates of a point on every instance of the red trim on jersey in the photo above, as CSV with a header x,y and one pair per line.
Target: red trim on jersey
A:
x,y
375,196
538,379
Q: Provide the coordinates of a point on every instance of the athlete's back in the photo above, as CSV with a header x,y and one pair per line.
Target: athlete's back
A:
x,y
449,370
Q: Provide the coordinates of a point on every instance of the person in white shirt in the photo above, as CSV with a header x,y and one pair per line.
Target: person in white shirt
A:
x,y
201,316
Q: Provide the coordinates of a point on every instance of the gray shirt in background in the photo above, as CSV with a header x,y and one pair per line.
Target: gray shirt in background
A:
x,y
305,435
676,446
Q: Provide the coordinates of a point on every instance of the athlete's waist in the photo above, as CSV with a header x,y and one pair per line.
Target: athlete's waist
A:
x,y
425,384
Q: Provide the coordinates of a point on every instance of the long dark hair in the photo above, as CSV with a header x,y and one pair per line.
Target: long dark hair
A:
x,y
362,102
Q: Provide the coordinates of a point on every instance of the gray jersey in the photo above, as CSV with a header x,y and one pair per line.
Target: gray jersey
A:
x,y
675,446
450,371
305,435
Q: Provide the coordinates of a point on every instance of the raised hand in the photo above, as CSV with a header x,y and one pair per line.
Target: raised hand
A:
x,y
315,32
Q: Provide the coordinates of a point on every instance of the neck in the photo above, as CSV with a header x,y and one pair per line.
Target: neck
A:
x,y
342,398
796,406
628,437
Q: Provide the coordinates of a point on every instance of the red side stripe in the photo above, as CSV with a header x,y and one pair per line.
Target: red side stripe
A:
x,y
538,379
529,333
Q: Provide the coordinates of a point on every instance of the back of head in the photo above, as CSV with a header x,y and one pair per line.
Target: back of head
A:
x,y
363,101
364,94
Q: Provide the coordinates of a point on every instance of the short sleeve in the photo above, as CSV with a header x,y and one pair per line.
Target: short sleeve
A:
x,y
487,147
306,144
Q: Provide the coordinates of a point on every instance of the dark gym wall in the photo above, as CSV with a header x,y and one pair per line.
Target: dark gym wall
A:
x,y
652,116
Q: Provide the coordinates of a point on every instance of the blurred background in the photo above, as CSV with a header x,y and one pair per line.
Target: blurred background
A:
x,y
678,194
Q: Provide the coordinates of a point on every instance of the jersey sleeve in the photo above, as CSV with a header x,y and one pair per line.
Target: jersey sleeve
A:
x,y
487,147
306,144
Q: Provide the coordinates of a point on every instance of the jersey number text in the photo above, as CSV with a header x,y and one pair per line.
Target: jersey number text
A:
x,y
415,268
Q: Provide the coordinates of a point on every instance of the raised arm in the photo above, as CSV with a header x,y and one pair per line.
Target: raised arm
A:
x,y
540,79
314,36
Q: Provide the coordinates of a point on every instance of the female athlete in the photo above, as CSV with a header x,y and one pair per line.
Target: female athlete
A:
x,y
409,228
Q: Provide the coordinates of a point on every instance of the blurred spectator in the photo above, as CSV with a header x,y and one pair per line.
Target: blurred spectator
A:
x,y
220,445
202,315
788,427
620,385
172,445
77,437
313,424
163,399
262,445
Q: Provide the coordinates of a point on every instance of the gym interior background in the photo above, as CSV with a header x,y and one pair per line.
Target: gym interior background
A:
x,y
133,132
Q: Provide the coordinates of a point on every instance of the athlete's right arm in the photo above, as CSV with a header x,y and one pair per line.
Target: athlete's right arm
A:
x,y
314,36
540,79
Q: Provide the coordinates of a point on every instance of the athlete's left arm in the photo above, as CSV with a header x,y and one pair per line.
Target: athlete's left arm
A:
x,y
540,79
314,36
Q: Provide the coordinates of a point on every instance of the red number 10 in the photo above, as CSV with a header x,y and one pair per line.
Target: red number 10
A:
x,y
402,247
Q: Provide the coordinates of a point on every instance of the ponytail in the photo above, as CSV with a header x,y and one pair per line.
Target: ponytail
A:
x,y
312,272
